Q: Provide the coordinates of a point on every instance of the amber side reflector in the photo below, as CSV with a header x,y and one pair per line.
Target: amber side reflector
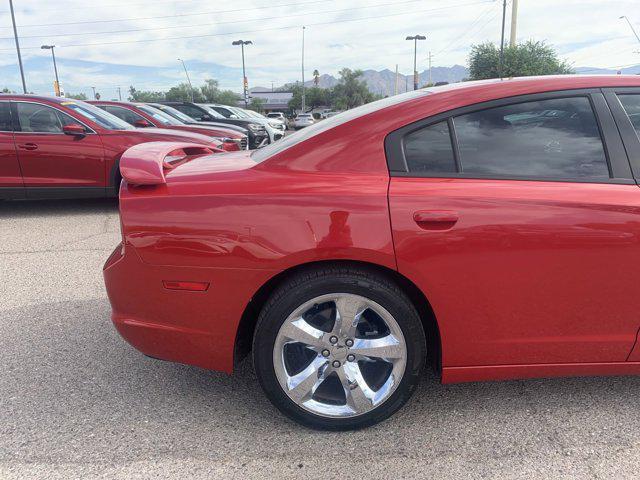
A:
x,y
189,286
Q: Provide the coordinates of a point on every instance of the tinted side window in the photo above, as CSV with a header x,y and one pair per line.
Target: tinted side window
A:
x,y
193,112
37,118
429,150
5,117
123,114
555,138
631,104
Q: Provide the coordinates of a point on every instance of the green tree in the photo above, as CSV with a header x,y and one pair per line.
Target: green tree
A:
x,y
182,93
76,96
6,90
145,96
522,60
212,93
350,91
257,104
316,77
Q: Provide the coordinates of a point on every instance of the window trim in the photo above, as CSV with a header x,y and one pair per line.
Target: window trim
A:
x,y
628,134
11,121
17,128
615,154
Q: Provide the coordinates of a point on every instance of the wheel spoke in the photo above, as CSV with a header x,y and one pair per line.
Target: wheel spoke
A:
x,y
304,384
301,331
358,394
387,347
348,311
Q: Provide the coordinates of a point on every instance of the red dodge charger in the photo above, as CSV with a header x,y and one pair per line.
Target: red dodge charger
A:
x,y
491,229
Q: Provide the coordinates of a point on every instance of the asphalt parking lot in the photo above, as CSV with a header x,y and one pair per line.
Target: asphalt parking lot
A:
x,y
77,402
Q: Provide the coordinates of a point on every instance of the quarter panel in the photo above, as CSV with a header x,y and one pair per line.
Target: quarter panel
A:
x,y
532,272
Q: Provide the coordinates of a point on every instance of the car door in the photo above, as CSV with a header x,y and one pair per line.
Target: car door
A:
x,y
11,184
520,220
49,159
625,105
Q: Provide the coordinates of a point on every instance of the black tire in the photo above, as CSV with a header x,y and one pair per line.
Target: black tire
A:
x,y
310,284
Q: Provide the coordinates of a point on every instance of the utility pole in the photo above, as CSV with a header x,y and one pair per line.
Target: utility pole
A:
x,y
119,94
55,68
303,89
188,79
406,84
430,58
514,21
504,13
15,34
623,16
395,87
94,93
415,39
245,82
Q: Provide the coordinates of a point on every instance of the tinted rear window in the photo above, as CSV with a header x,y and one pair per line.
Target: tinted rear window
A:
x,y
556,138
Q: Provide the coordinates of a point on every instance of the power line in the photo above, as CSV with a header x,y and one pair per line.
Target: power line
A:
x,y
262,19
458,39
176,15
187,37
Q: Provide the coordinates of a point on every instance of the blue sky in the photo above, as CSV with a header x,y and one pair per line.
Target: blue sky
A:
x,y
119,43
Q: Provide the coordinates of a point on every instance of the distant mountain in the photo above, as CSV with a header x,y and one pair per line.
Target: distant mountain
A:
x,y
383,82
634,70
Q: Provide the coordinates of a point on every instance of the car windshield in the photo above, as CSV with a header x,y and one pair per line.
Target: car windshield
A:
x,y
98,116
163,118
316,128
172,112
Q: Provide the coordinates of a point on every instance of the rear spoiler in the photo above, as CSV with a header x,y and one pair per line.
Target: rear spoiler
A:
x,y
146,163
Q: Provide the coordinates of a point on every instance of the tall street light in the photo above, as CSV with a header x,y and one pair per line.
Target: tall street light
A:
x,y
15,34
245,83
304,96
188,79
55,67
415,39
631,25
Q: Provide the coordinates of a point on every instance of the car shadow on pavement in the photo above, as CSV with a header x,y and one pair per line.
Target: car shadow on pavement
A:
x,y
74,391
33,208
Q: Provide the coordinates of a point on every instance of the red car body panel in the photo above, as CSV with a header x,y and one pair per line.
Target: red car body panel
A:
x,y
42,160
209,131
521,278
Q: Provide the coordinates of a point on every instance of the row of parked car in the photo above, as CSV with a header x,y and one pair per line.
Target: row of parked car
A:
x,y
56,147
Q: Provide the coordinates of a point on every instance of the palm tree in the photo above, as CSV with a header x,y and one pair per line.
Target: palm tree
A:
x,y
316,77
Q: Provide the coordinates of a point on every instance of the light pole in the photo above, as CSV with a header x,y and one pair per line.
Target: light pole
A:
x,y
504,13
415,39
245,83
304,93
94,92
55,67
15,34
631,26
188,79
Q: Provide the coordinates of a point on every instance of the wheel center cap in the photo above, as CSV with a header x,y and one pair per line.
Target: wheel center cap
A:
x,y
339,352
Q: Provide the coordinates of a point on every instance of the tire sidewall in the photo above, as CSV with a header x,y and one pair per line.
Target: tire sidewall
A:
x,y
398,306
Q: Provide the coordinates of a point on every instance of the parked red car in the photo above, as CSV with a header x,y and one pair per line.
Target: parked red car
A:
x,y
141,115
492,228
59,148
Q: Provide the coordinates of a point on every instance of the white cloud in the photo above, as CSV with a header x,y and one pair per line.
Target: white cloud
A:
x,y
586,32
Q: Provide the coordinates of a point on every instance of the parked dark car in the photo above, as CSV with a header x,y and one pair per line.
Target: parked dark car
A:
x,y
141,115
258,136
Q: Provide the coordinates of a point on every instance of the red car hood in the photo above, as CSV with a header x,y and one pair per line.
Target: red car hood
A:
x,y
166,135
203,168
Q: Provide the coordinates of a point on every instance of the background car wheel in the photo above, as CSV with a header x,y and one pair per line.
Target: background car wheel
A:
x,y
339,348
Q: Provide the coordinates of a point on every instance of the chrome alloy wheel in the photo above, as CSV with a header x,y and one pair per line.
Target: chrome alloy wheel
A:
x,y
339,355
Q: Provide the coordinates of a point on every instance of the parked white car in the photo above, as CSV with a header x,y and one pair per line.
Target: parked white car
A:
x,y
303,120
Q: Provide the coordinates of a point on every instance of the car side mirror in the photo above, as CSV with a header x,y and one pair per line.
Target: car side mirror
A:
x,y
74,129
206,118
142,123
